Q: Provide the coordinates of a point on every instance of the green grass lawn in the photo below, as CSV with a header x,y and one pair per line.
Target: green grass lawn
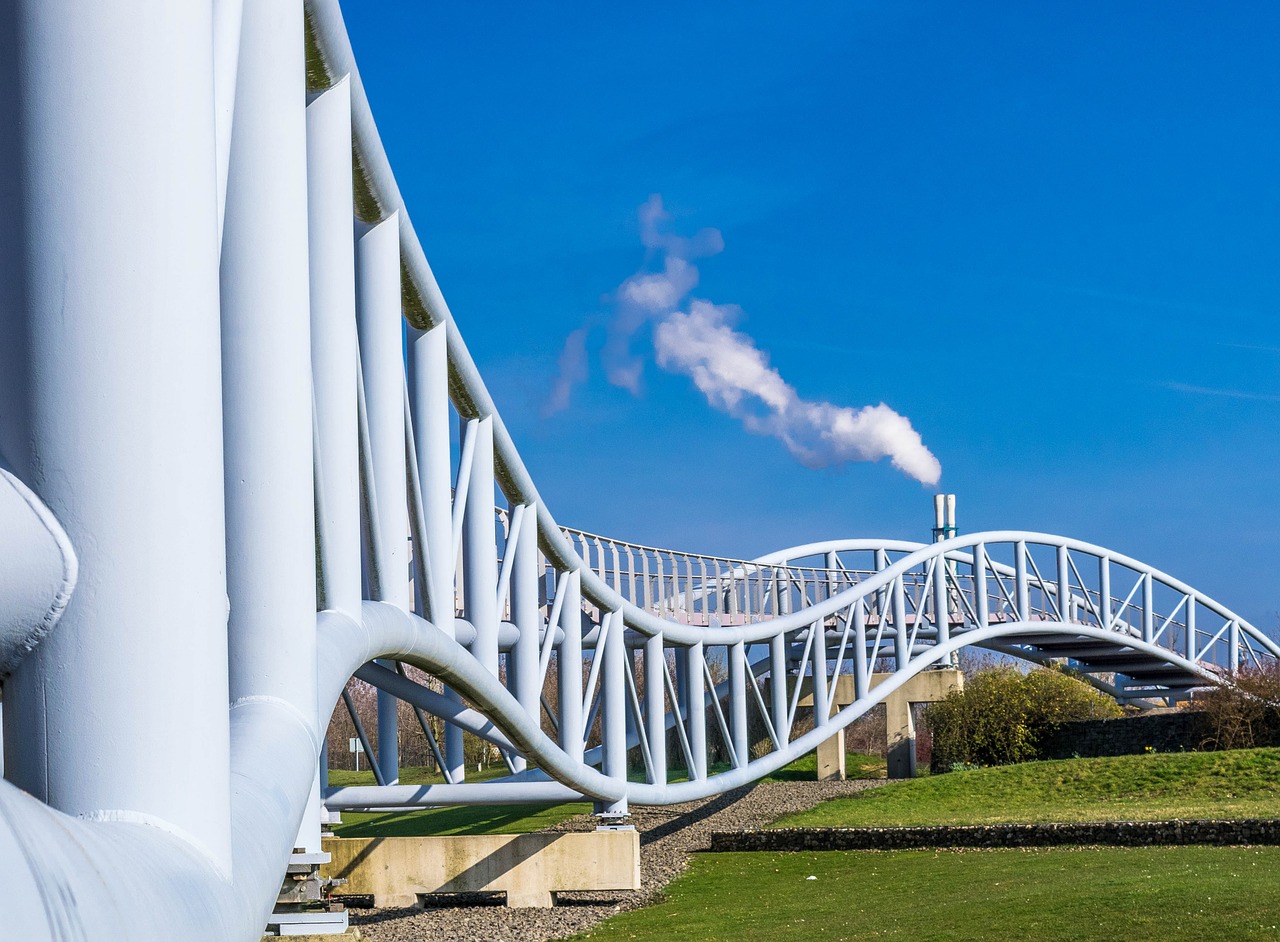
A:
x,y
518,819
1197,894
1243,783
462,819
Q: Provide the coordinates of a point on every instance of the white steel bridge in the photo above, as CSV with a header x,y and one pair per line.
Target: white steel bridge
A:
x,y
225,489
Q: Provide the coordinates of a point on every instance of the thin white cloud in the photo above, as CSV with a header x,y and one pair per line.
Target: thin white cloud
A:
x,y
696,338
1227,393
572,370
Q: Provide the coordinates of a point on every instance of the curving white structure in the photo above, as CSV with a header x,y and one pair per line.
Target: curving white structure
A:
x,y
224,491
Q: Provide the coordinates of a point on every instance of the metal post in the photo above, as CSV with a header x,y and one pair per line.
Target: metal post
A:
x,y
381,334
697,717
527,617
901,637
334,349
267,380
96,370
334,353
613,696
1191,627
738,702
1021,595
655,698
778,682
980,603
569,668
429,390
941,617
1104,592
1148,610
480,550
1064,584
818,658
860,674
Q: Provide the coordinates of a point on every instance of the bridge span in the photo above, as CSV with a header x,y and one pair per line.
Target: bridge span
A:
x,y
230,482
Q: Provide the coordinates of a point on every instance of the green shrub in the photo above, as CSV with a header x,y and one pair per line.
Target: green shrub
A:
x,y
1003,715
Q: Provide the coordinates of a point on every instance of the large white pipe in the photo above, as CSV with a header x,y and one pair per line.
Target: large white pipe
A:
x,y
479,549
110,406
381,332
334,355
523,661
429,389
267,370
227,16
334,350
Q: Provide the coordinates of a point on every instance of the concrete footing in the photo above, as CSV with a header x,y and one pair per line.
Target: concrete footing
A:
x,y
529,868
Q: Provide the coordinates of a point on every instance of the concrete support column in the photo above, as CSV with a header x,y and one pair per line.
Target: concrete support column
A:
x,y
111,384
926,687
901,731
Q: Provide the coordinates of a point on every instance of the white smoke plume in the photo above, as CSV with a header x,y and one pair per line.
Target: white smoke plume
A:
x,y
697,338
735,376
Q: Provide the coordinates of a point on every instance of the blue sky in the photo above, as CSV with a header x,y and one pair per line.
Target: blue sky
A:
x,y
1047,235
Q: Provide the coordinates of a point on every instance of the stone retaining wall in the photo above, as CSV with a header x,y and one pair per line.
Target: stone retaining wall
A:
x,y
1113,833
1182,731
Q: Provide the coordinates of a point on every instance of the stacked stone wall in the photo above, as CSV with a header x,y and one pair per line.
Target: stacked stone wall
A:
x,y
1111,833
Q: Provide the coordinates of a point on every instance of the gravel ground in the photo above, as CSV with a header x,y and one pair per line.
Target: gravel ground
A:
x,y
667,837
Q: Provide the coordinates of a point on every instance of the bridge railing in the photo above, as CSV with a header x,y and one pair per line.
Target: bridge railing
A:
x,y
648,639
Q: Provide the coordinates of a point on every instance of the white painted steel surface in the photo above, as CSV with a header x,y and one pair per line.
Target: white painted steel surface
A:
x,y
217,385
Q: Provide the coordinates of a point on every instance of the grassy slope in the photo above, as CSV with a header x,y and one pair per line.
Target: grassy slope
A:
x,y
482,819
1238,784
516,819
1197,894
